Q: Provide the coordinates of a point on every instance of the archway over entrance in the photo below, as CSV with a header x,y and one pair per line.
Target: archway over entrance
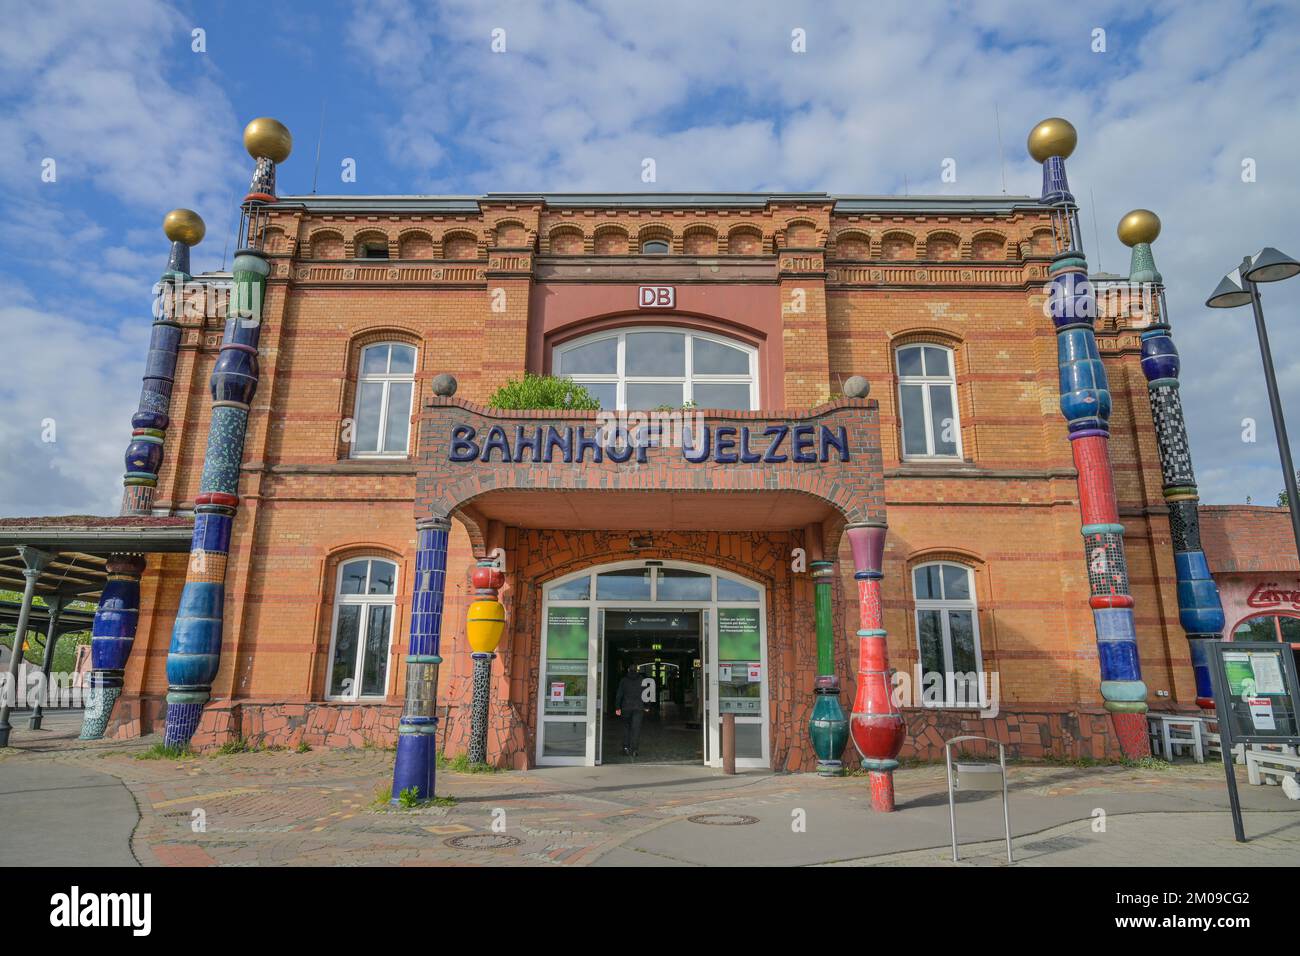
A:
x,y
691,640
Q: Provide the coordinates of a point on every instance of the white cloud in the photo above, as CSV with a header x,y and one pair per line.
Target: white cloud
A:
x,y
884,94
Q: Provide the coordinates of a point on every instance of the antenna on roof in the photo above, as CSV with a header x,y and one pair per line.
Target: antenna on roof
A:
x,y
905,192
1096,233
319,136
229,229
1002,161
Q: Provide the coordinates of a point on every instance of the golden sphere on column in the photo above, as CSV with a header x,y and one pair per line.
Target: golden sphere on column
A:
x,y
1140,225
1052,137
267,137
184,225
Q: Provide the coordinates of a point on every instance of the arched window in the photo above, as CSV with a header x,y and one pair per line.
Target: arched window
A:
x,y
948,634
385,385
1269,627
363,629
640,369
654,247
927,402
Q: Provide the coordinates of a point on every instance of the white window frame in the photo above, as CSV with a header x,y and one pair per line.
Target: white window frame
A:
x,y
687,381
944,605
366,601
928,382
387,379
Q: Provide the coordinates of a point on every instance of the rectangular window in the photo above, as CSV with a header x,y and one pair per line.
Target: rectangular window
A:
x,y
947,634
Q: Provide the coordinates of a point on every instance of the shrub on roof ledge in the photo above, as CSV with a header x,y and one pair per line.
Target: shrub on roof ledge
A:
x,y
543,391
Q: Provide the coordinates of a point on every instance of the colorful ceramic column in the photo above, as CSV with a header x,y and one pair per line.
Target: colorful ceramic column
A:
x,y
113,630
417,730
876,726
487,621
195,651
828,728
1085,402
1200,610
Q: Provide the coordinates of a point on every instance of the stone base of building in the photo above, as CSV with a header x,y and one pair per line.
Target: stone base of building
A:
x,y
1069,735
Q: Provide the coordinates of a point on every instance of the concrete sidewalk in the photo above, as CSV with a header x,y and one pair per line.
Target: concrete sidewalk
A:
x,y
77,807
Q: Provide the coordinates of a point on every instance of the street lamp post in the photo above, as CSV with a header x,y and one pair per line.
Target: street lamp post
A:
x,y
1237,288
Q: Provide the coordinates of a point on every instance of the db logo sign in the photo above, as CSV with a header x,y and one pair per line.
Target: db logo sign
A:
x,y
657,297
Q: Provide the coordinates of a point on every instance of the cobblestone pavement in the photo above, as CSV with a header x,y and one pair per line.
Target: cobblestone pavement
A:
x,y
320,808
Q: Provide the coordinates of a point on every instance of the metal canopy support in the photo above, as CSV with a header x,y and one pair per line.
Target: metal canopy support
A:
x,y
34,562
51,638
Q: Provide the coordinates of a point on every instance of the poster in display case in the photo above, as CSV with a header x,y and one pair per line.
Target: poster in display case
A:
x,y
1256,700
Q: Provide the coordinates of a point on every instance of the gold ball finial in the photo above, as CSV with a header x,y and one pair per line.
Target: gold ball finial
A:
x,y
1052,137
1140,225
267,137
184,225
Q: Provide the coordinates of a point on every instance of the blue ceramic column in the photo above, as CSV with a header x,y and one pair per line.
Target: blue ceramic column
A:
x,y
113,630
195,652
1200,610
417,731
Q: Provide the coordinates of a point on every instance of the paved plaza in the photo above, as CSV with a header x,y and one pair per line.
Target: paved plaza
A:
x,y
71,803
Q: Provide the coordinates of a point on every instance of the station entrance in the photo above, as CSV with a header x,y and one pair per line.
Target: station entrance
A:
x,y
696,638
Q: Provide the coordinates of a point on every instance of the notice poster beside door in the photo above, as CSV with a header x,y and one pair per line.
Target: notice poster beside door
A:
x,y
738,634
567,633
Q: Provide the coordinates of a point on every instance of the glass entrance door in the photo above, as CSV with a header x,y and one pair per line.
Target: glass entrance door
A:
x,y
727,615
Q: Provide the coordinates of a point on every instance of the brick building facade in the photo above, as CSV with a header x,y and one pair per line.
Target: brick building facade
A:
x,y
813,290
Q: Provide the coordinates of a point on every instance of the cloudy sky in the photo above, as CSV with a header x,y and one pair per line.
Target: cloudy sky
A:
x,y
137,122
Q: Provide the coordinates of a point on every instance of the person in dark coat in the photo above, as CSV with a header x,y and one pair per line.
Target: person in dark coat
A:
x,y
629,705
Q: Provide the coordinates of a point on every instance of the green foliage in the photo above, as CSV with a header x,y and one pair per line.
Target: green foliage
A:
x,y
408,798
1148,763
303,747
159,751
237,746
461,764
543,391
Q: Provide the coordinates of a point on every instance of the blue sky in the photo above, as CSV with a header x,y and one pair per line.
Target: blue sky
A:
x,y
138,123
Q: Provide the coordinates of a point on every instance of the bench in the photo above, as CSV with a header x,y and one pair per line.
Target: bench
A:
x,y
1169,731
1270,763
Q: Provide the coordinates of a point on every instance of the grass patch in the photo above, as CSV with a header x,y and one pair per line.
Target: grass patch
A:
x,y
406,800
461,764
303,747
161,751
241,746
1149,763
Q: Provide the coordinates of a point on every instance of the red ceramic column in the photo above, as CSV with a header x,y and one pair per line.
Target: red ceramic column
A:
x,y
876,725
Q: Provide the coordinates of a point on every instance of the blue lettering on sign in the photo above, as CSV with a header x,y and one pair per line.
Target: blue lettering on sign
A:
x,y
724,445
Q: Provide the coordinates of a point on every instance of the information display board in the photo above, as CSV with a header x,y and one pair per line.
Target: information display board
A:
x,y
1257,700
1258,695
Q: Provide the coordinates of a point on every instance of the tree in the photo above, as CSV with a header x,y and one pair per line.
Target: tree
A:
x,y
1282,496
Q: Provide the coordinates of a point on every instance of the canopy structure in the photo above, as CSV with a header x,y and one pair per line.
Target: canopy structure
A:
x,y
63,559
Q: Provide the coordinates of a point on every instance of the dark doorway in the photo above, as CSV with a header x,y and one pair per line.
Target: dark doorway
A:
x,y
664,647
